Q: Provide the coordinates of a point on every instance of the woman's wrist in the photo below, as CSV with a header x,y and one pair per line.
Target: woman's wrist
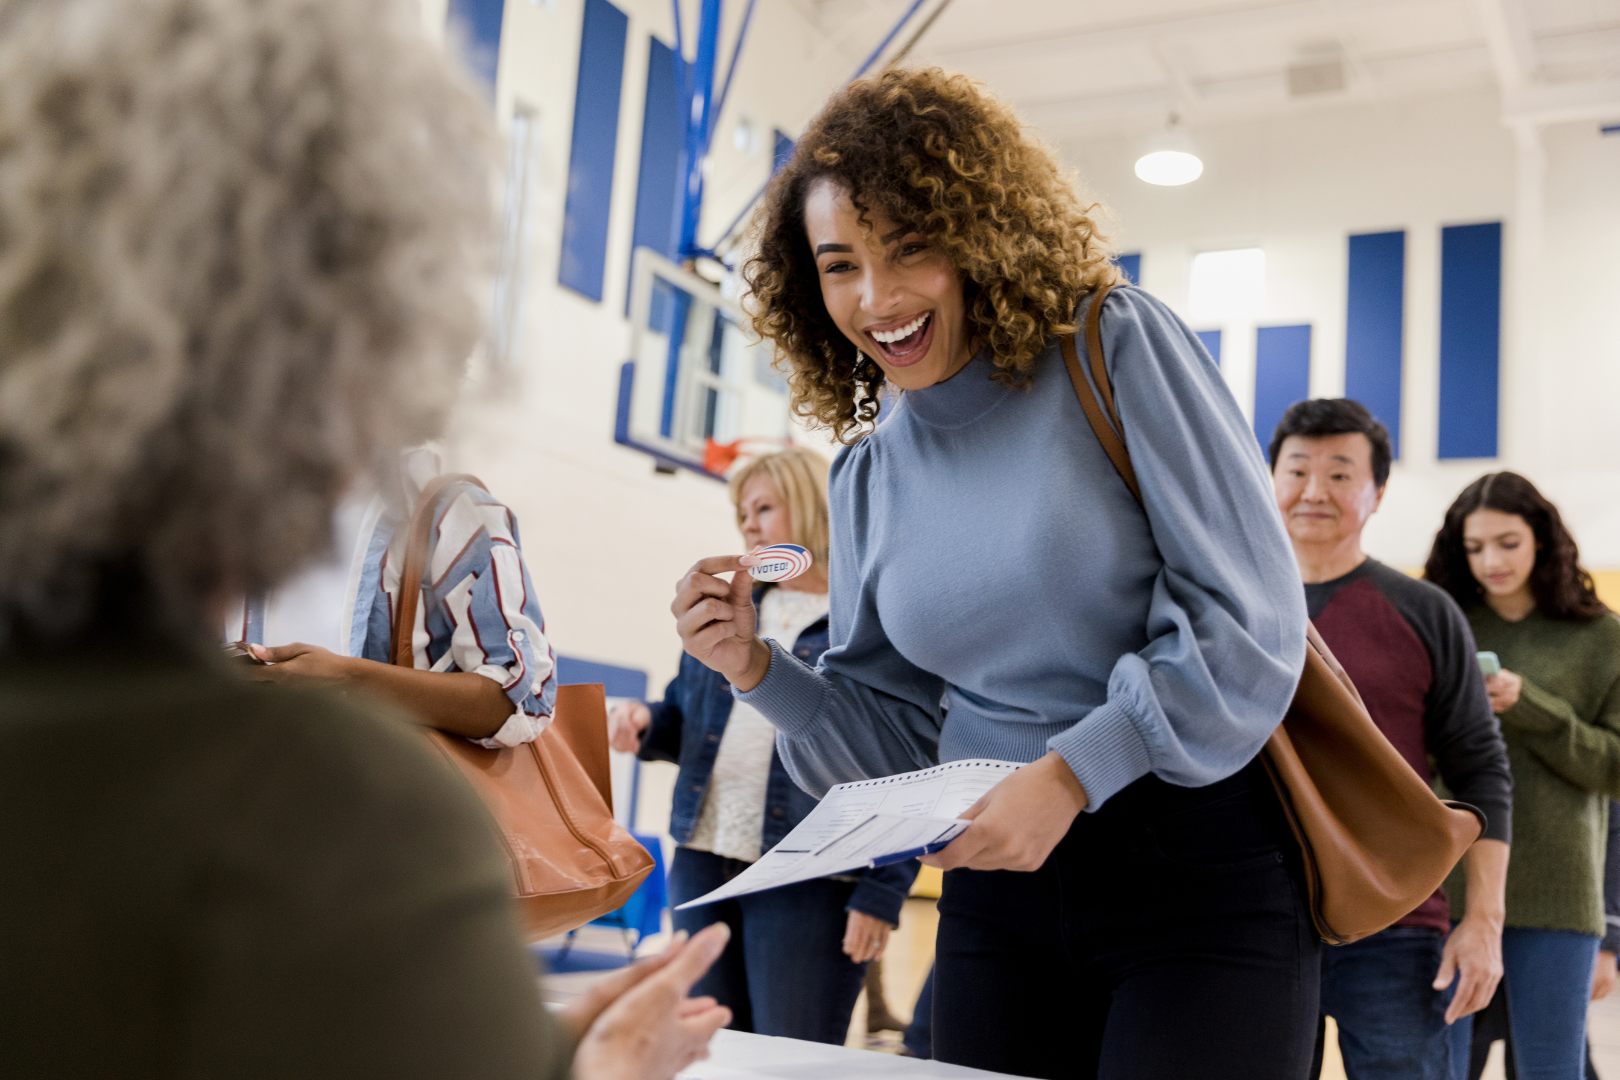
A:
x,y
759,663
1067,781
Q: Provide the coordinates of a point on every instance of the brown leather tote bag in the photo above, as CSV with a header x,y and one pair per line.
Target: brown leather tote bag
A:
x,y
1376,841
552,799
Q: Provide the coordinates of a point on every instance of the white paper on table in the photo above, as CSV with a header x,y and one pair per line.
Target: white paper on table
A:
x,y
870,823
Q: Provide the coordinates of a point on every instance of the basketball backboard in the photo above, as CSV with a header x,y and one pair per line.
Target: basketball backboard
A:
x,y
693,377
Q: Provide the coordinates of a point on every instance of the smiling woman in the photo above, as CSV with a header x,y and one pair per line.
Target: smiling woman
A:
x,y
997,591
924,197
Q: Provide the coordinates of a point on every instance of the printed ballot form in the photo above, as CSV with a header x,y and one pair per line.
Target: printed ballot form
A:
x,y
871,823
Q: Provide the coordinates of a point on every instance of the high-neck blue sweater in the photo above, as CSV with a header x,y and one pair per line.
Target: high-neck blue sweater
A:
x,y
997,592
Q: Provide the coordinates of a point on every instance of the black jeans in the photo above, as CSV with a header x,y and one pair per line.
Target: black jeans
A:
x,y
1167,936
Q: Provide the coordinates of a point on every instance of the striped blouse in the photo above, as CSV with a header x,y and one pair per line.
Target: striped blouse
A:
x,y
478,610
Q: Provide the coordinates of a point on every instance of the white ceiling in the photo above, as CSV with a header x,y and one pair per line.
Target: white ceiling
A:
x,y
1074,66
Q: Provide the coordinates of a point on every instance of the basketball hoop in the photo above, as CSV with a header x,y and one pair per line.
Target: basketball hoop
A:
x,y
719,458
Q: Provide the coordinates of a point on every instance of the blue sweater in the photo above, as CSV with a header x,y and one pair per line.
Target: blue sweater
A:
x,y
997,592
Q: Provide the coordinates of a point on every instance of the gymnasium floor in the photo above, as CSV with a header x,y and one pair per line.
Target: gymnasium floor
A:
x,y
911,952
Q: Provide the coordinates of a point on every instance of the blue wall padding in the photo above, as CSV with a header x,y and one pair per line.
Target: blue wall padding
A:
x,y
591,152
1470,338
1212,343
658,183
481,21
1131,264
781,152
618,681
1282,374
1375,310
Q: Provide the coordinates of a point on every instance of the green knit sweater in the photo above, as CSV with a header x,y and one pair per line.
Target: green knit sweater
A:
x,y
1563,742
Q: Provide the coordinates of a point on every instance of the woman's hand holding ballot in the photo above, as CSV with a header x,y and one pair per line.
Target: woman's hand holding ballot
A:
x,y
717,621
1017,823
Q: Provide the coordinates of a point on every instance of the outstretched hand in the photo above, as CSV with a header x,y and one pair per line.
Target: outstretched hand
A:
x,y
307,665
717,621
626,722
640,1025
1017,823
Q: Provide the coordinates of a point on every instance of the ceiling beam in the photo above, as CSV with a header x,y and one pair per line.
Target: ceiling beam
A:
x,y
1187,96
1562,103
1513,48
1137,31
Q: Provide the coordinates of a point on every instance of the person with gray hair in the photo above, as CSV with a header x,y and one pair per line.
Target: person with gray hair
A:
x,y
240,245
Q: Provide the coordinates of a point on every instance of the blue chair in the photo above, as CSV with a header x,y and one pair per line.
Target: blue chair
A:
x,y
639,917
643,914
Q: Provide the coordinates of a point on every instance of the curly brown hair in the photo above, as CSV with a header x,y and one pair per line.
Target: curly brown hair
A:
x,y
939,155
1563,590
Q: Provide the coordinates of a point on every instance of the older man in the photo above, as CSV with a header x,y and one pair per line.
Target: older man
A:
x,y
1409,650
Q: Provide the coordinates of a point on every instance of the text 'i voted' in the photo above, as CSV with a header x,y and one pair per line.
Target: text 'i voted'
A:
x,y
780,562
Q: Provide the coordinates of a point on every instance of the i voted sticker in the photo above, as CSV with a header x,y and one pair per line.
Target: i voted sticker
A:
x,y
780,562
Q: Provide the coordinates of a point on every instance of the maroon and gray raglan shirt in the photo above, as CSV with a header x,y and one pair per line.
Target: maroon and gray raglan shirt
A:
x,y
1407,647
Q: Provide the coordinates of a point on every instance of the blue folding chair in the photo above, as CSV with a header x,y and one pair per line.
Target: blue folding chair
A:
x,y
640,916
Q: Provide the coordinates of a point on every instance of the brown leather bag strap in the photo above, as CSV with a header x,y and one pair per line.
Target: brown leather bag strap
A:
x,y
1112,437
416,557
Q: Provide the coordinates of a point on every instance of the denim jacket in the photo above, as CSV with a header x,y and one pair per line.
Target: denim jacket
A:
x,y
686,728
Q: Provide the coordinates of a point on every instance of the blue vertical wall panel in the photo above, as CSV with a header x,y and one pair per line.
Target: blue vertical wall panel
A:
x,y
481,21
591,151
1131,264
1282,374
1212,342
658,179
1470,338
781,151
1375,311
658,183
616,681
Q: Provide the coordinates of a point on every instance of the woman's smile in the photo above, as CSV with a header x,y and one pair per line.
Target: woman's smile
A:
x,y
903,342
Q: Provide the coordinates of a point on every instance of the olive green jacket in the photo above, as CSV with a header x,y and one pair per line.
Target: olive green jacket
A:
x,y
208,878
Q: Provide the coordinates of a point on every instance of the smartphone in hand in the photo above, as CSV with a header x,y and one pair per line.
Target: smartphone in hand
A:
x,y
238,650
1489,664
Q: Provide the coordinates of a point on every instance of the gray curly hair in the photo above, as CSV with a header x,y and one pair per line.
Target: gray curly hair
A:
x,y
241,243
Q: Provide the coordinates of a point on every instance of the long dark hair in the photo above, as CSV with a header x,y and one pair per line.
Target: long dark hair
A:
x,y
1562,589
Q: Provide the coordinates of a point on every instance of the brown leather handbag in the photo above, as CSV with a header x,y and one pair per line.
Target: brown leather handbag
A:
x,y
552,799
1376,841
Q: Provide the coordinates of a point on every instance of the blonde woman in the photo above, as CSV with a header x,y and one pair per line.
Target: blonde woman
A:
x,y
1128,903
241,257
797,954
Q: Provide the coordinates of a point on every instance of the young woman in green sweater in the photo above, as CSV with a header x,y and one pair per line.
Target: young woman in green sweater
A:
x,y
1505,555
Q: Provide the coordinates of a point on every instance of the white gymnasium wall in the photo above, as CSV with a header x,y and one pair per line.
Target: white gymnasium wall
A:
x,y
1298,184
605,537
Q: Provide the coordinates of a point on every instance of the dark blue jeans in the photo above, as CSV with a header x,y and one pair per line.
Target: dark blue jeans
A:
x,y
919,1035
1547,978
784,971
1392,1023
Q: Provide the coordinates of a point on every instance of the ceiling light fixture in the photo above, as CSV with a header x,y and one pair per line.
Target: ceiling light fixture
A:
x,y
1170,161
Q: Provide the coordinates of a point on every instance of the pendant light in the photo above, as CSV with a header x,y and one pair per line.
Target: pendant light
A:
x,y
1170,160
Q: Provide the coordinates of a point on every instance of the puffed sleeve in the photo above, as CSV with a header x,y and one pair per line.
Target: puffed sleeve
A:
x,y
1226,623
483,615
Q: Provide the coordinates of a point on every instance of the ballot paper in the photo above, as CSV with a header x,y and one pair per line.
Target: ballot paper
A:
x,y
871,823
